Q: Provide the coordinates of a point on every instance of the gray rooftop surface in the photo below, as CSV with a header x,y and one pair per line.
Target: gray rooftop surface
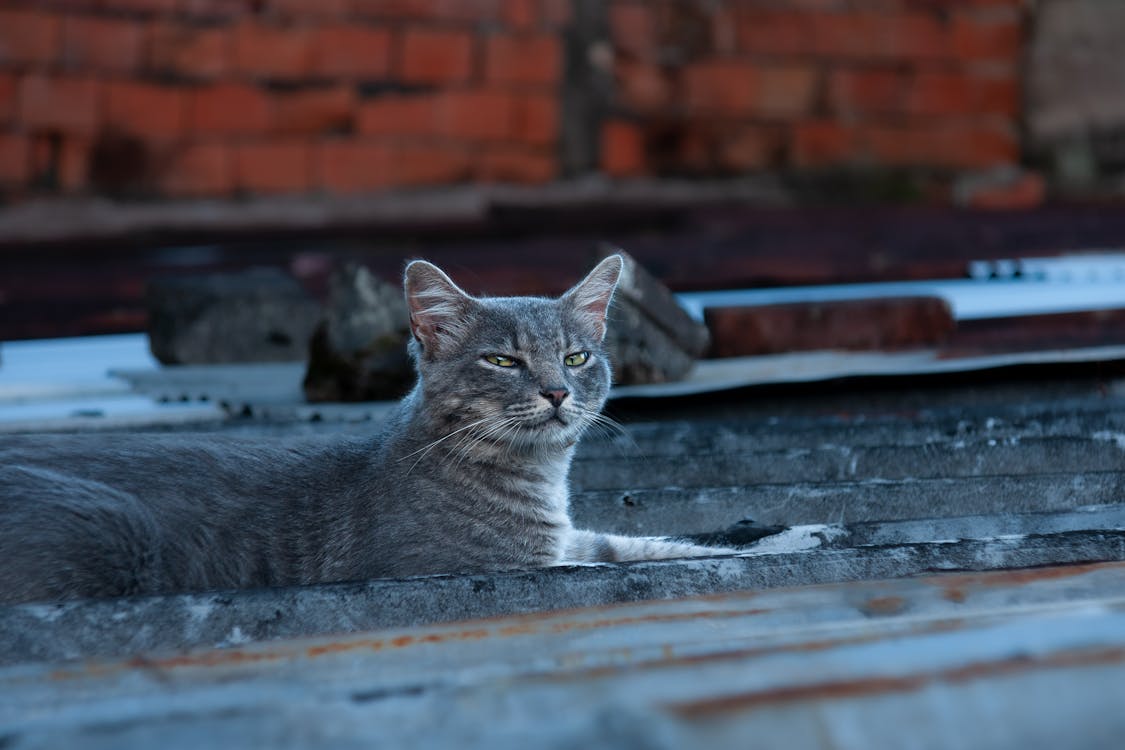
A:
x,y
955,558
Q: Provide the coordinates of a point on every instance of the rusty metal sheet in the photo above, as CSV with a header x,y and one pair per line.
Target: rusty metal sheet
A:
x,y
1027,658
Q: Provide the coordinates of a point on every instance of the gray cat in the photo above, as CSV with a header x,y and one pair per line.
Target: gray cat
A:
x,y
470,474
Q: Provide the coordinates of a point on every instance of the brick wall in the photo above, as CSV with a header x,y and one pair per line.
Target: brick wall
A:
x,y
730,87
186,98
221,97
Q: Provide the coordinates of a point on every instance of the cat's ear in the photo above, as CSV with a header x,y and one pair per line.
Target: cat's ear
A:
x,y
589,300
439,309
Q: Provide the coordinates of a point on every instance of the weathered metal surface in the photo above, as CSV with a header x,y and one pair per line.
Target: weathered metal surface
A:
x,y
892,483
828,462
277,389
807,555
1015,659
644,511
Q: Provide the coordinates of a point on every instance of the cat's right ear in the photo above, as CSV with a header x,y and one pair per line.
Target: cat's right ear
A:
x,y
439,309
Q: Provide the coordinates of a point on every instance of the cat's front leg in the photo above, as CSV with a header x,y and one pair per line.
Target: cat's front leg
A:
x,y
591,546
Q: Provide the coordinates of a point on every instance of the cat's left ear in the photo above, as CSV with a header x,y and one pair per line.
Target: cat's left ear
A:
x,y
590,299
439,309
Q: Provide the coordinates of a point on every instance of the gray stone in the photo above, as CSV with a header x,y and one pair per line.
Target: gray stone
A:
x,y
650,338
358,352
260,315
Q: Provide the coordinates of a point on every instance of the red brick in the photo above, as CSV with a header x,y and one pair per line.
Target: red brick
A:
x,y
998,95
557,13
324,110
60,164
943,145
190,51
724,32
145,109
908,36
7,98
436,56
300,10
749,148
987,39
519,165
786,91
28,36
764,32
866,91
149,7
622,149
443,11
102,44
642,87
633,31
726,87
520,14
210,10
692,149
230,109
351,51
346,166
271,51
823,144
15,159
527,60
199,169
74,164
430,164
60,103
940,93
537,119
981,147
273,166
396,115
739,88
916,36
475,115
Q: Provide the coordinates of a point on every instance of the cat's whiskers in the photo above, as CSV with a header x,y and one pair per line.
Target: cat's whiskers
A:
x,y
464,447
609,427
425,450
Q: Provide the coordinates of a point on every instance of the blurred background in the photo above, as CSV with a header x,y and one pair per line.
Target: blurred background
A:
x,y
724,143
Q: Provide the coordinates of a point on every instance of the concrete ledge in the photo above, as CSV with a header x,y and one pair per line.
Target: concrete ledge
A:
x,y
141,625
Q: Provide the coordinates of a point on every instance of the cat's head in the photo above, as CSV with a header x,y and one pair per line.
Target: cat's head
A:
x,y
522,371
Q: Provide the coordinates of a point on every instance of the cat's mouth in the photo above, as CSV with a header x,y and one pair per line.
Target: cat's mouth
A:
x,y
557,420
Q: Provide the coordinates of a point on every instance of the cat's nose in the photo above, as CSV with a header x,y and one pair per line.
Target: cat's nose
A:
x,y
554,395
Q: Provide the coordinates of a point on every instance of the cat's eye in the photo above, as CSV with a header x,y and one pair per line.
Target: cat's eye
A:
x,y
500,360
576,359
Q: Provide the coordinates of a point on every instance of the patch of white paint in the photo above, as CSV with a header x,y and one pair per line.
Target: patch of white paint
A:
x,y
47,612
795,539
235,638
1117,438
200,611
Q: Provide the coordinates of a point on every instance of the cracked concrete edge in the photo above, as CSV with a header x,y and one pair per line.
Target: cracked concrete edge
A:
x,y
129,626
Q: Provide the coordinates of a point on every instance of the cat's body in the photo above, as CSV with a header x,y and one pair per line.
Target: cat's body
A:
x,y
470,474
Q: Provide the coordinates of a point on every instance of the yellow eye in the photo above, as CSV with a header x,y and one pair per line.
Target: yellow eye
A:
x,y
576,359
500,360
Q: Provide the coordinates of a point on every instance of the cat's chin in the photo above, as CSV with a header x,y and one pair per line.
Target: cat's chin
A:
x,y
552,431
